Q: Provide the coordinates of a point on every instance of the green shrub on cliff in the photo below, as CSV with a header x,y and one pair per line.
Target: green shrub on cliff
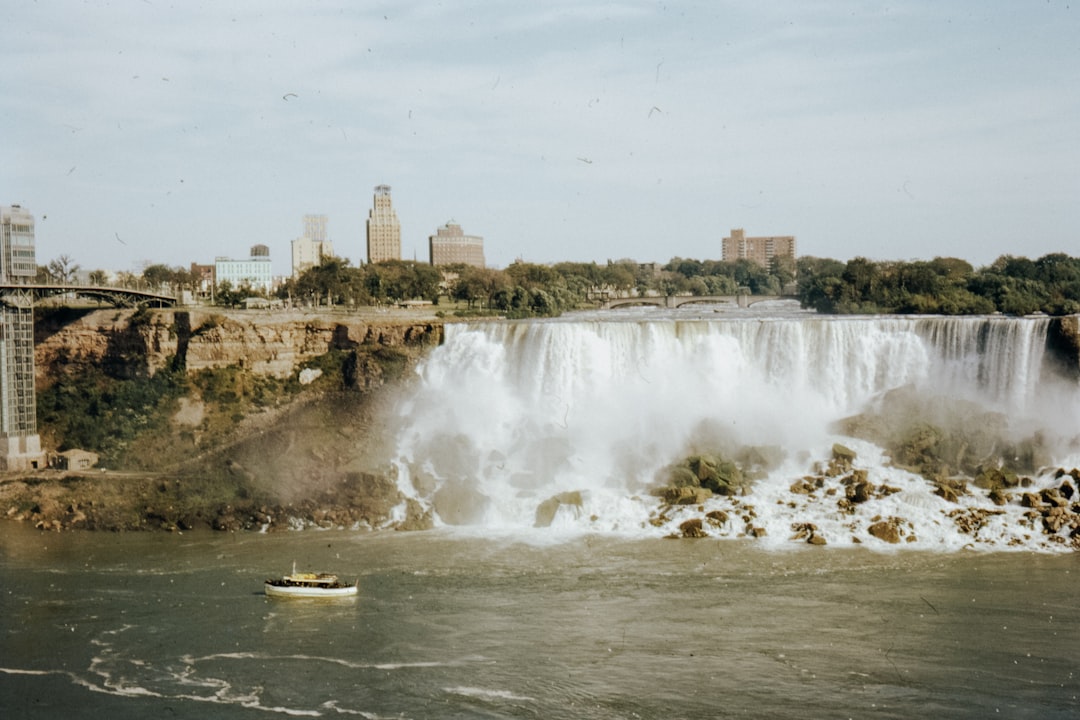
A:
x,y
103,414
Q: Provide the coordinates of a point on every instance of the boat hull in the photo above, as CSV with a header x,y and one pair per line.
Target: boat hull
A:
x,y
292,591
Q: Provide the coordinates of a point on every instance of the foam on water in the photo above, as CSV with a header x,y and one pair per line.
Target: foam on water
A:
x,y
507,415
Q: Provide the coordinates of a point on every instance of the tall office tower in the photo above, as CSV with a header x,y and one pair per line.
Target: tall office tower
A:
x,y
449,246
309,249
383,229
758,249
315,228
20,445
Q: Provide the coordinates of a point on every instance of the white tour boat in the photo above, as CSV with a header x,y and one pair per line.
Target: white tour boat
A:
x,y
310,585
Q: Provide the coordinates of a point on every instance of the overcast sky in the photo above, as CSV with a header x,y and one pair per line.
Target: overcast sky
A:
x,y
173,132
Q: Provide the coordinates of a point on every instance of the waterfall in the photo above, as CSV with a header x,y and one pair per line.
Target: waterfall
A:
x,y
506,415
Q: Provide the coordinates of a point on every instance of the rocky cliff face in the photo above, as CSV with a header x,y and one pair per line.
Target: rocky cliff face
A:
x,y
1063,340
128,343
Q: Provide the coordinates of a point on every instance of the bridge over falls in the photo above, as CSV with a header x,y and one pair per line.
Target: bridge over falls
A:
x,y
744,300
20,294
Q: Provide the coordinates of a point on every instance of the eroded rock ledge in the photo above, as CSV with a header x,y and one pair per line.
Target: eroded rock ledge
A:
x,y
130,344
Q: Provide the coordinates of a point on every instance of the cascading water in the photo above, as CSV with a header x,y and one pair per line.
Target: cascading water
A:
x,y
585,414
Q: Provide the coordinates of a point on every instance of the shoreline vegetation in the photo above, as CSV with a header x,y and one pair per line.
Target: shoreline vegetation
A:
x,y
1011,285
232,439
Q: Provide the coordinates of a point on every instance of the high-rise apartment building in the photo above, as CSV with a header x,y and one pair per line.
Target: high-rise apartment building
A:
x,y
309,249
758,249
383,229
20,445
449,246
17,262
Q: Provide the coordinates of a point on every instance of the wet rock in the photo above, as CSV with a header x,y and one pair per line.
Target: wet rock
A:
x,y
1056,518
717,517
227,522
996,479
887,530
722,477
971,520
416,518
842,459
950,489
686,495
859,492
692,529
547,510
807,532
1051,496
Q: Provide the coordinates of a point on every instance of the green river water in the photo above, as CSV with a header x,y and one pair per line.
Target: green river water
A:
x,y
452,626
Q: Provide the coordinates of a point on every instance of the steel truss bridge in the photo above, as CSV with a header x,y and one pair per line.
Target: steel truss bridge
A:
x,y
20,294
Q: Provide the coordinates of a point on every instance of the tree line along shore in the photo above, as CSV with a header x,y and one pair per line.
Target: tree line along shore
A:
x,y
1012,285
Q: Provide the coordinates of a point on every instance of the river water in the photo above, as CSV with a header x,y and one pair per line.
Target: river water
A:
x,y
452,625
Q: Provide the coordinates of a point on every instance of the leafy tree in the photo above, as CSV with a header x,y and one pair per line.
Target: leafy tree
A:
x,y
478,285
63,269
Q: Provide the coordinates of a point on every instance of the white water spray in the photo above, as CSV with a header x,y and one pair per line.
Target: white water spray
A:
x,y
508,415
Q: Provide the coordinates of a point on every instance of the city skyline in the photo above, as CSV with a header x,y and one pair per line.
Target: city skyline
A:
x,y
574,131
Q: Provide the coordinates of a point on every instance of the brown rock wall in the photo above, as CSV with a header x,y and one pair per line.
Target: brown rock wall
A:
x,y
1063,341
127,344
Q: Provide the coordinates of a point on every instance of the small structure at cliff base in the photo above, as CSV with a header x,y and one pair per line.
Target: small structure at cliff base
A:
x,y
74,460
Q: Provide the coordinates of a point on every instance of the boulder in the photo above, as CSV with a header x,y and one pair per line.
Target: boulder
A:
x,y
842,459
685,495
1030,500
416,517
950,489
844,454
717,517
1051,496
692,529
808,532
887,530
996,479
547,510
859,492
723,477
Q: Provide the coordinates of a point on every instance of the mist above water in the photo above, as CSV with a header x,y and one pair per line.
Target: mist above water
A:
x,y
507,415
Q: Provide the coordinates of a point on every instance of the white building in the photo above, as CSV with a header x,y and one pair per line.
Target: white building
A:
x,y
255,272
